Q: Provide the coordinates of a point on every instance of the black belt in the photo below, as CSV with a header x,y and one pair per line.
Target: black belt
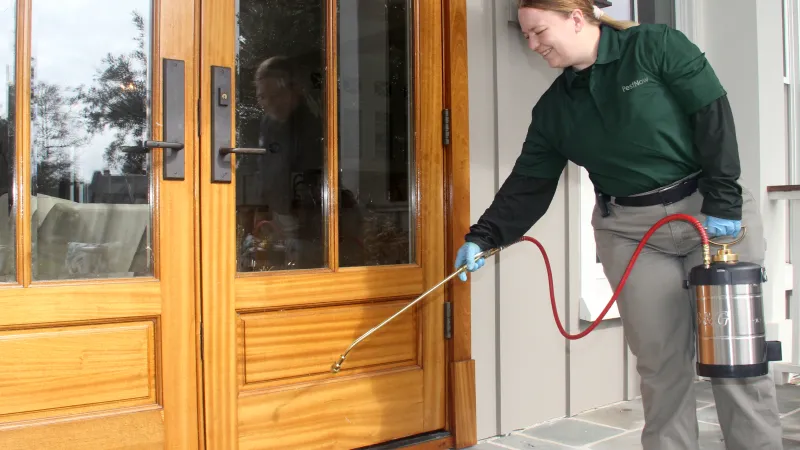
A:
x,y
666,196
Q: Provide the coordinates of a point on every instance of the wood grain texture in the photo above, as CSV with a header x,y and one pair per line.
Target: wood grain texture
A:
x,y
458,176
334,416
175,246
66,370
273,290
196,174
50,304
784,188
430,176
22,163
464,404
216,222
273,341
140,430
463,408
331,9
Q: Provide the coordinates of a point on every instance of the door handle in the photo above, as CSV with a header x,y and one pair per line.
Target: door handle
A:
x,y
221,131
221,149
242,151
173,120
145,146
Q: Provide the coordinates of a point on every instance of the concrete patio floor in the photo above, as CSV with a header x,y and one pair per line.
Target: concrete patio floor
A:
x,y
619,426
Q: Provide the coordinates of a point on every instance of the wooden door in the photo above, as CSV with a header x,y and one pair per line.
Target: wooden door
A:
x,y
326,219
98,342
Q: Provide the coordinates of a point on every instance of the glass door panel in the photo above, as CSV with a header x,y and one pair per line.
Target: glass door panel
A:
x,y
8,127
281,220
377,220
90,182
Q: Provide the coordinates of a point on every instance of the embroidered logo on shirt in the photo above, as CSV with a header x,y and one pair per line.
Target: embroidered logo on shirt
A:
x,y
635,84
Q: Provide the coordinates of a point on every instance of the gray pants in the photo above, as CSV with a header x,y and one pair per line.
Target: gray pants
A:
x,y
658,318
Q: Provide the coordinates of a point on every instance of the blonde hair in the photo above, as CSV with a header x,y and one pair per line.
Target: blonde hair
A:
x,y
592,13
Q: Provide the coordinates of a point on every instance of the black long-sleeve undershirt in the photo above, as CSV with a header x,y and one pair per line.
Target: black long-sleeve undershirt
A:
x,y
715,140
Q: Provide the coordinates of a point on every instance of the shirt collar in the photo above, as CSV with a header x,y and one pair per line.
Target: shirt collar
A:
x,y
607,51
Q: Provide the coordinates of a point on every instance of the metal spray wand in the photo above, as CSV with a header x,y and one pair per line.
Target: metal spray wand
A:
x,y
337,366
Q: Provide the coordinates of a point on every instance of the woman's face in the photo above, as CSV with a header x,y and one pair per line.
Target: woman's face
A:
x,y
553,35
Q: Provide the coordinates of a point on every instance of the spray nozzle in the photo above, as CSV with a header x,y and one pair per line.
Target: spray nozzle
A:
x,y
337,366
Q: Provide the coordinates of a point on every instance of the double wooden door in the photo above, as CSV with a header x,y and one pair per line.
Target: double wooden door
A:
x,y
204,203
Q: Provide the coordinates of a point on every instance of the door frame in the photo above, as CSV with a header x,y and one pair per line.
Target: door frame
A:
x,y
461,376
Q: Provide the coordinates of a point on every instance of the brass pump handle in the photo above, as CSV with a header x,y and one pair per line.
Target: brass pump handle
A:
x,y
725,255
733,242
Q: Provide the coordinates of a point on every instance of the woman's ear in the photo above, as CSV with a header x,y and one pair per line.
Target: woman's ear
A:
x,y
578,20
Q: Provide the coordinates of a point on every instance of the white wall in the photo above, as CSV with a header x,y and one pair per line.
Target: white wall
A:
x,y
526,371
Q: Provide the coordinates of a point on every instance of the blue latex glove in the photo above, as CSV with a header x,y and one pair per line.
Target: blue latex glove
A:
x,y
466,255
716,227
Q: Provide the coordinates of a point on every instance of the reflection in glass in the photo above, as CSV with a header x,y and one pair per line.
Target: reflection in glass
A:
x,y
280,218
90,81
8,18
375,136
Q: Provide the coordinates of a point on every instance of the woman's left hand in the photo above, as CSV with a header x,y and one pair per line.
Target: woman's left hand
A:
x,y
716,227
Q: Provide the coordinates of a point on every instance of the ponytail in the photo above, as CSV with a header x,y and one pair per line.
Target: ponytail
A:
x,y
604,18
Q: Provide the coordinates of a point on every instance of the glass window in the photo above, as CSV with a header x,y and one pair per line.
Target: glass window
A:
x,y
656,11
90,185
8,55
281,219
376,114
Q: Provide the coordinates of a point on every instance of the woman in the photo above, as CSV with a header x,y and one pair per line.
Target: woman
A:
x,y
642,110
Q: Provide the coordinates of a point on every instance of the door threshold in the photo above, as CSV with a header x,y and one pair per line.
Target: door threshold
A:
x,y
412,441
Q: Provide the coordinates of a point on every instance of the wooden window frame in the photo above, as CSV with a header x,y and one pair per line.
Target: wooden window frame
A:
x,y
461,377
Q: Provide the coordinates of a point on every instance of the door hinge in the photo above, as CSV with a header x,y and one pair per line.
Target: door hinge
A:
x,y
448,320
446,126
197,124
202,346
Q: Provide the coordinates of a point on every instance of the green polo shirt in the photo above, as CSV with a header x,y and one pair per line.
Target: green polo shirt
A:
x,y
627,118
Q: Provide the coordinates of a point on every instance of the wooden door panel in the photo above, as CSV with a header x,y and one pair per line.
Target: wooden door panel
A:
x,y
279,289
98,340
335,224
139,428
272,341
66,370
51,304
342,414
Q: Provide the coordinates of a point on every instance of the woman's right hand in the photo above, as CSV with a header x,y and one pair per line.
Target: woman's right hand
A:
x,y
466,255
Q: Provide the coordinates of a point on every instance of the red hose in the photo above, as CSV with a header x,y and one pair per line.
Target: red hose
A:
x,y
684,217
